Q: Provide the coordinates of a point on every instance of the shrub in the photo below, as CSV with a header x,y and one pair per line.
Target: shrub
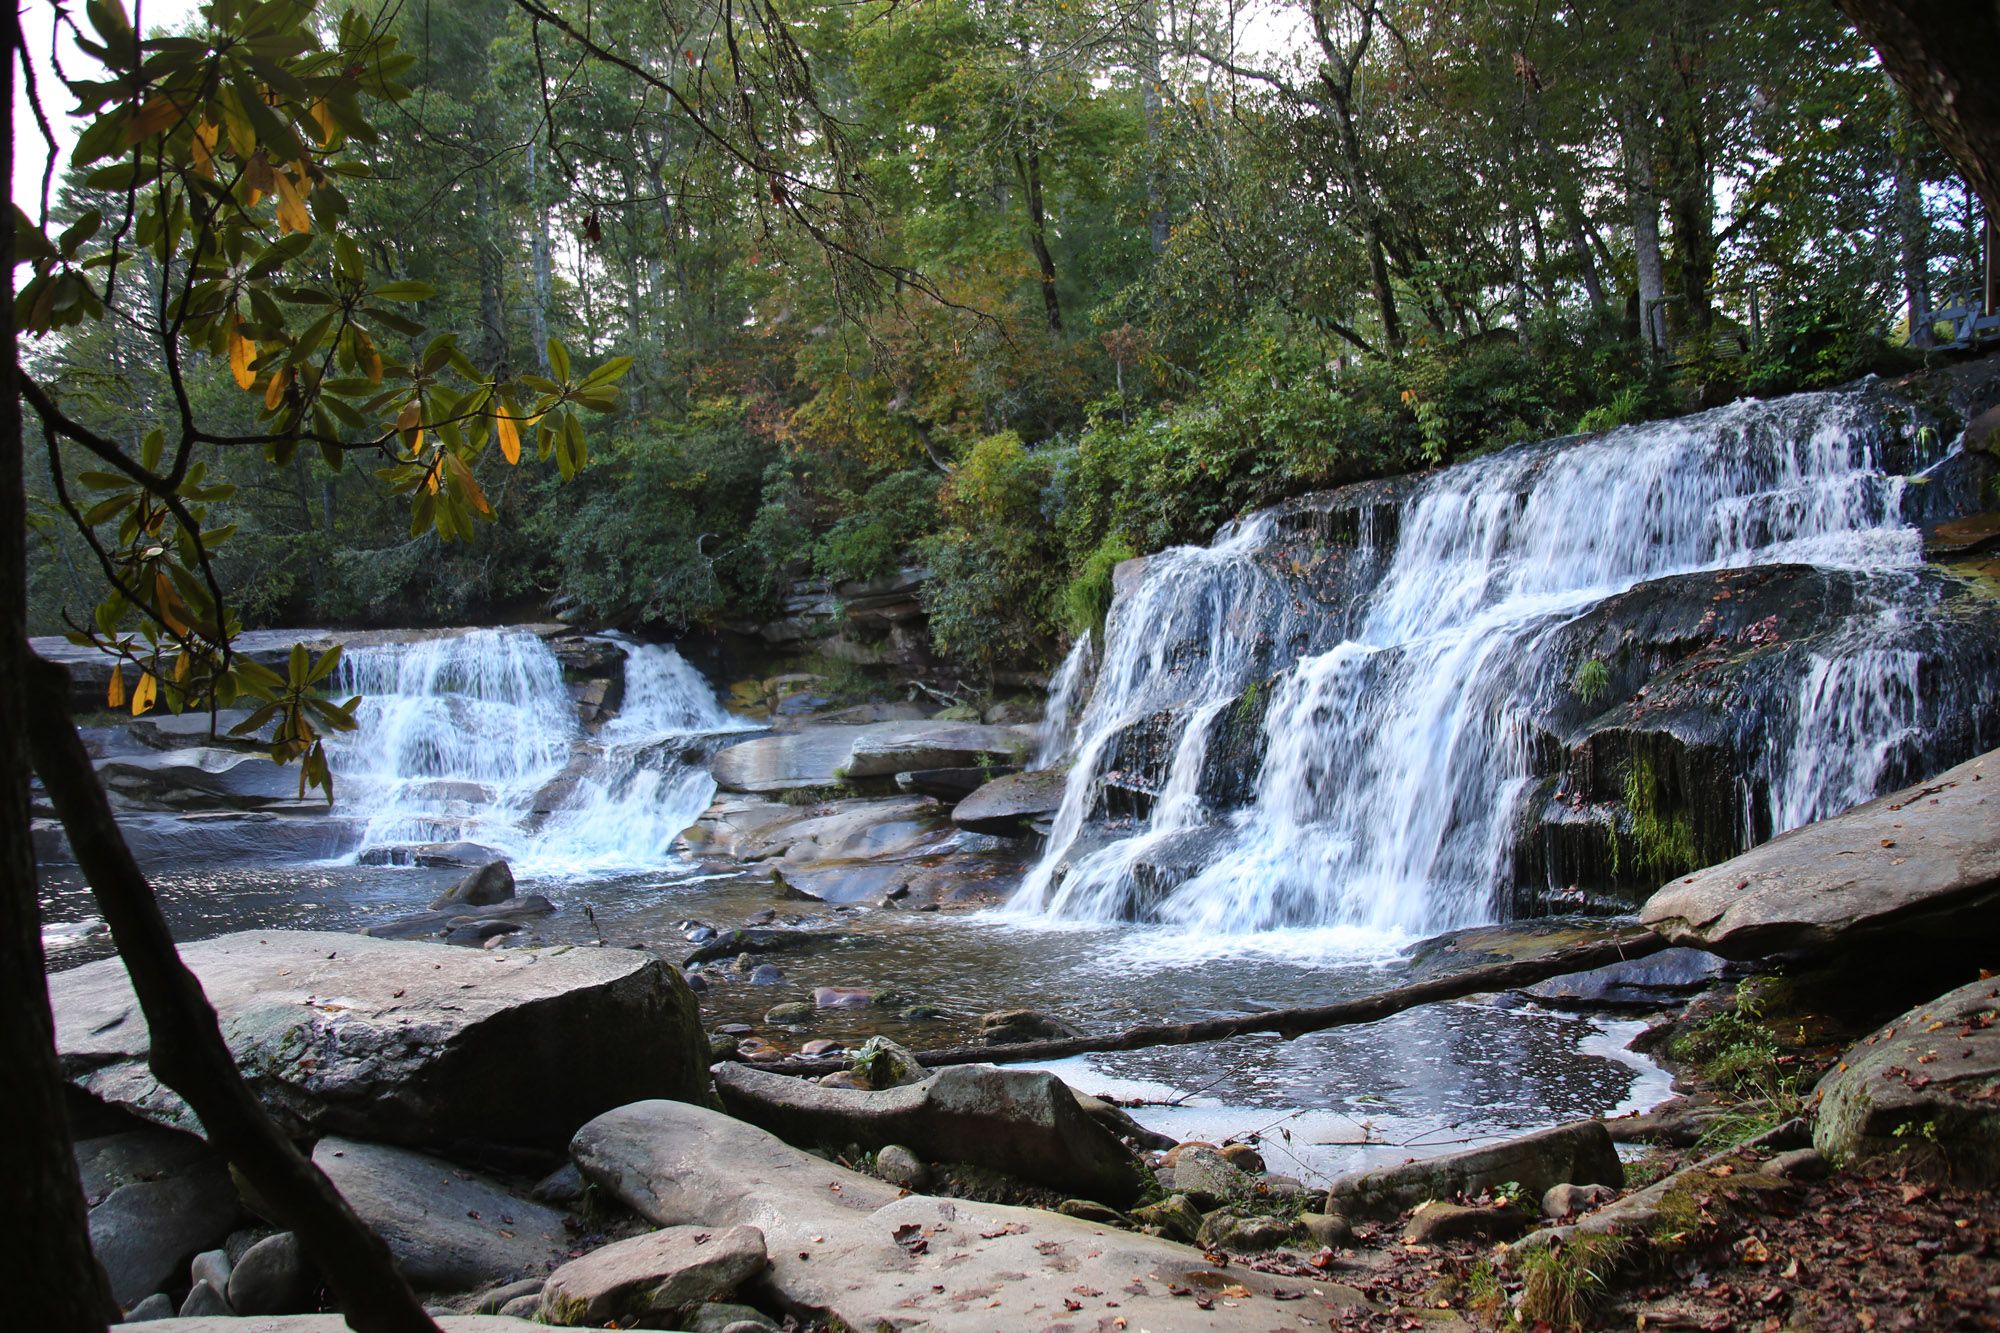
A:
x,y
1086,600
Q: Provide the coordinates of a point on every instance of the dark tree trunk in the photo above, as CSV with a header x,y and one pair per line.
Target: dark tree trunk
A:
x,y
1029,167
1941,53
1912,229
52,1280
188,1053
1159,224
492,313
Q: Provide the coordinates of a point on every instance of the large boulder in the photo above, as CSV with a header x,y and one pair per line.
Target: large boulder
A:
x,y
156,1199
1925,859
849,1248
1923,1090
825,756
1023,1123
661,1275
957,745
1579,1153
449,1229
400,1041
1005,804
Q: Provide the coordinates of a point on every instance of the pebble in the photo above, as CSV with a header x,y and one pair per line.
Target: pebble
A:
x,y
766,974
844,1078
1329,1230
763,918
843,997
1800,1164
735,1029
1567,1200
795,1012
522,1307
700,935
822,1046
271,1278
899,1166
212,1267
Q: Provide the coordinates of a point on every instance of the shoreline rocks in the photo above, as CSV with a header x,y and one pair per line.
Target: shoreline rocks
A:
x,y
1579,1153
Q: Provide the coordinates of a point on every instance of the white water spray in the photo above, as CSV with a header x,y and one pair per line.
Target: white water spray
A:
x,y
474,737
1395,744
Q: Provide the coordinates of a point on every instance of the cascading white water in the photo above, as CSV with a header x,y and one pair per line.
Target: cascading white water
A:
x,y
1058,725
1855,712
1395,758
474,737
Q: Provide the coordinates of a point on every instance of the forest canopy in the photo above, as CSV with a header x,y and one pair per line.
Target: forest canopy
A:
x,y
1014,290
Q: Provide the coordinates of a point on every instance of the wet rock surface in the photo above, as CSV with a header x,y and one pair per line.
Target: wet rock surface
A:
x,y
1580,1153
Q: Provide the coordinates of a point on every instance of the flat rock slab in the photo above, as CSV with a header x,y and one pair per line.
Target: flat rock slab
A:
x,y
1006,803
1579,1153
401,1041
449,1229
824,756
1023,1123
848,1246
1924,1090
1921,859
662,1275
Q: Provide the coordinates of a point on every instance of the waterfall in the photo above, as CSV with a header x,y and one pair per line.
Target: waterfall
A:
x,y
1058,725
474,737
1395,743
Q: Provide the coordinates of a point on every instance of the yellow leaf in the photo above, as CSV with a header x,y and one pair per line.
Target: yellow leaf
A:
x,y
410,421
274,392
170,604
145,693
114,692
257,173
324,119
182,665
509,436
150,119
462,475
292,214
241,353
371,360
203,148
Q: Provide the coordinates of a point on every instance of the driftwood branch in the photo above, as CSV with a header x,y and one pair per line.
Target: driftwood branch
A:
x,y
188,1053
1286,1023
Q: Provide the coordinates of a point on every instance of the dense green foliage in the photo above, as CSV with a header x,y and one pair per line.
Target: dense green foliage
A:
x,y
1091,280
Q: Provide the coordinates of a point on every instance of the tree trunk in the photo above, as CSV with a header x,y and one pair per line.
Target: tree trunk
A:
x,y
1912,228
1029,167
1645,233
1159,226
492,316
542,262
1941,53
51,1279
1290,1023
188,1053
1520,276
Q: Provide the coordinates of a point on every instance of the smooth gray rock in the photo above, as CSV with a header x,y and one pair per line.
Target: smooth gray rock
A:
x,y
108,1161
156,1306
405,1042
490,884
1437,1221
1120,1122
899,1166
1327,1230
145,1231
1661,979
524,1307
1922,1091
949,785
449,1229
1922,860
660,1275
1023,1123
212,1267
1222,1230
517,912
1579,1153
811,756
203,1301
563,1187
1007,804
845,1244
1566,1200
272,1277
498,1299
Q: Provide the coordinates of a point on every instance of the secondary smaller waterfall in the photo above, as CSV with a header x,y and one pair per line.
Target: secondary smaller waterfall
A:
x,y
1058,725
474,737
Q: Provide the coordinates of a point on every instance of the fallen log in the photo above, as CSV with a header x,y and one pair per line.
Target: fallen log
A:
x,y
1286,1023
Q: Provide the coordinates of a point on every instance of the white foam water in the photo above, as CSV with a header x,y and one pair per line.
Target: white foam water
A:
x,y
474,737
1394,760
